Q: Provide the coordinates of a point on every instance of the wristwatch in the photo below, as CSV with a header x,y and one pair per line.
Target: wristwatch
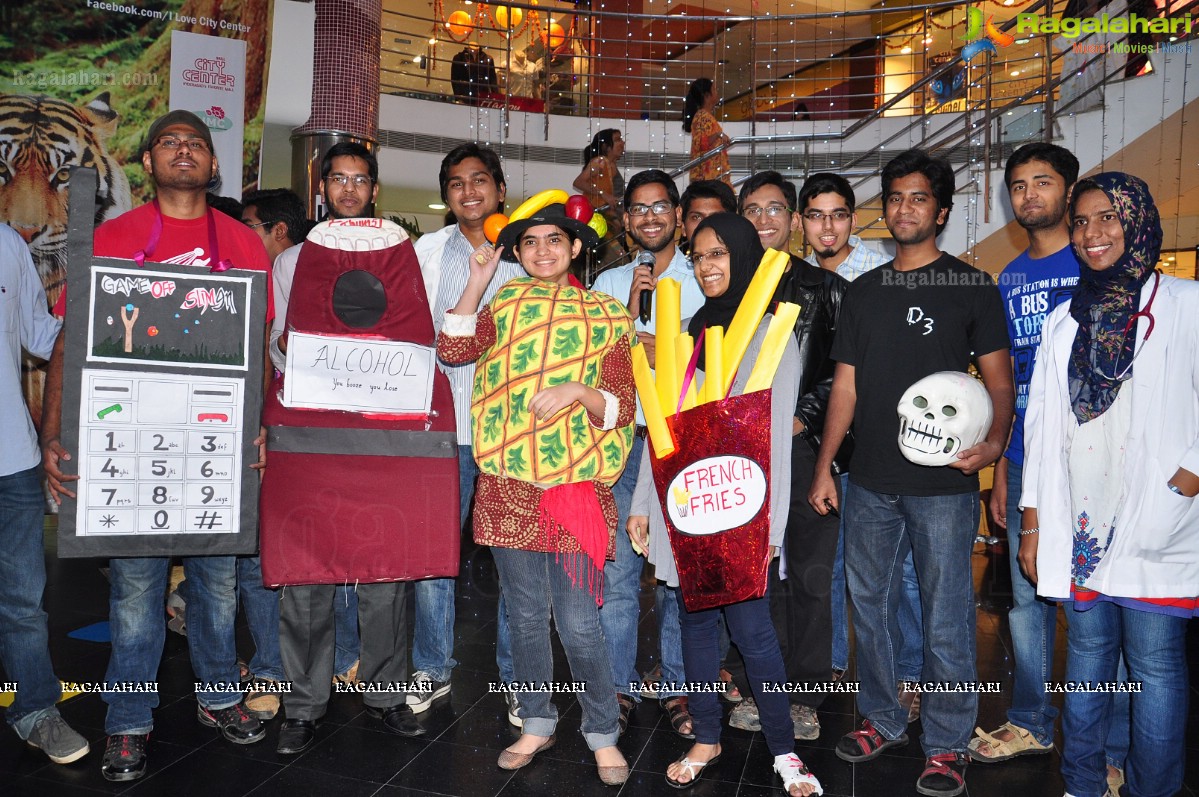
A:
x,y
1174,488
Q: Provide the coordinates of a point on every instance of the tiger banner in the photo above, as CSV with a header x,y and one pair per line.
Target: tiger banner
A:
x,y
82,81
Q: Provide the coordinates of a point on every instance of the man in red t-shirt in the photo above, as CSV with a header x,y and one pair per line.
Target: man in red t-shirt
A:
x,y
175,228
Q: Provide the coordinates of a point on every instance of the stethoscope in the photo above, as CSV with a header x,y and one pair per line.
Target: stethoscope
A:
x,y
1147,314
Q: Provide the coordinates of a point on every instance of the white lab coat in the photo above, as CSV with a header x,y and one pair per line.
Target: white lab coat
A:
x,y
1155,549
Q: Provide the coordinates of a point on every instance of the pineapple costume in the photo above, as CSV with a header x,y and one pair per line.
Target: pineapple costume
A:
x,y
545,485
545,336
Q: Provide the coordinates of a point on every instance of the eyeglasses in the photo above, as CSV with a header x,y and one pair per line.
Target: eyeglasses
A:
x,y
259,224
773,211
357,180
658,209
195,143
699,257
816,217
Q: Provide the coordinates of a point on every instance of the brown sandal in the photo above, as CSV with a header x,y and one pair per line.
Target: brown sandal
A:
x,y
676,711
627,704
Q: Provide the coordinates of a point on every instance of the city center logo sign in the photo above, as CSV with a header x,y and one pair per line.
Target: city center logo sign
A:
x,y
982,37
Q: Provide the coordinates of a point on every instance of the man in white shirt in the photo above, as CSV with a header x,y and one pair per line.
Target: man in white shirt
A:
x,y
652,217
472,185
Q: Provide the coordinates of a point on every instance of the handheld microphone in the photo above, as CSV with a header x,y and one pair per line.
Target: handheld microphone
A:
x,y
646,300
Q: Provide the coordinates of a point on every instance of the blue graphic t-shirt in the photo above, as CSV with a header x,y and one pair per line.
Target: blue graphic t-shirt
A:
x,y
1030,289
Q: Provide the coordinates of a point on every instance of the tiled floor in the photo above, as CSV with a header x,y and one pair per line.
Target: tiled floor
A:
x,y
353,757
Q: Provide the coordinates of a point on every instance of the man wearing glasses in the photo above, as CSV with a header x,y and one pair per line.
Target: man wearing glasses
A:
x,y
175,228
307,627
652,217
800,602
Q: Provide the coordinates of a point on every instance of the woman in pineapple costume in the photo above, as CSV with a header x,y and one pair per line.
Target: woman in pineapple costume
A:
x,y
552,412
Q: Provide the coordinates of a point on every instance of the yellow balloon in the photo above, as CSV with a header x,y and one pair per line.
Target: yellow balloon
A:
x,y
507,18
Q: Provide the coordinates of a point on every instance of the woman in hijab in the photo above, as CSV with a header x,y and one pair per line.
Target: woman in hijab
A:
x,y
1110,525
725,252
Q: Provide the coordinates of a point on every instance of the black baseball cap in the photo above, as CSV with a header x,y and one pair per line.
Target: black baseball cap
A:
x,y
186,118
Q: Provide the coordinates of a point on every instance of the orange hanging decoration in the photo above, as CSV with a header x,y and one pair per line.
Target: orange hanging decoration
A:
x,y
555,38
507,18
460,25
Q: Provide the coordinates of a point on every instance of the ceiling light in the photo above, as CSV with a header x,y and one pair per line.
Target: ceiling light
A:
x,y
906,50
1022,41
436,206
1015,73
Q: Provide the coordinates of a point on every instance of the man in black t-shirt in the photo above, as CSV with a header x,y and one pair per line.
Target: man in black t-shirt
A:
x,y
924,312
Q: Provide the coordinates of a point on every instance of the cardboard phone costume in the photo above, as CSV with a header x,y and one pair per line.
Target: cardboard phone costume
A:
x,y
354,496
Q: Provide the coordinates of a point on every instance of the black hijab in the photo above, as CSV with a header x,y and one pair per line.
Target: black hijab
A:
x,y
739,236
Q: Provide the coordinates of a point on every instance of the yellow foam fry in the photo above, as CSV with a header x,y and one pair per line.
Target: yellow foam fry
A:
x,y
655,421
750,311
684,347
666,329
713,364
781,325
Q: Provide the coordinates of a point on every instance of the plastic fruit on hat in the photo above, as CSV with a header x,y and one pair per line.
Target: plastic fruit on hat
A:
x,y
579,208
598,224
492,226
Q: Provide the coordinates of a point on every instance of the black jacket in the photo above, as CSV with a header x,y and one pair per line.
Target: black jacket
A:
x,y
818,292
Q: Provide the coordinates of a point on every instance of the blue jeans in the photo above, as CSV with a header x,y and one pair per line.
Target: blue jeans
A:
x,y
1153,646
752,631
909,660
262,616
536,584
24,638
137,593
346,643
433,634
939,531
622,600
840,611
909,644
1032,621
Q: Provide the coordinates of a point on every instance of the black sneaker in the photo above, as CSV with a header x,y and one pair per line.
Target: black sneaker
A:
x,y
944,775
125,757
421,701
236,724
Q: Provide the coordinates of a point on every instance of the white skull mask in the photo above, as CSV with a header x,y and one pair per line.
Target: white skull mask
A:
x,y
941,415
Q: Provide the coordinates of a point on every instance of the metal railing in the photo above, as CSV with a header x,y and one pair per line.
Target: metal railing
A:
x,y
639,65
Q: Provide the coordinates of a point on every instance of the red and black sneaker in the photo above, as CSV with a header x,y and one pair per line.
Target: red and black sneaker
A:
x,y
236,724
944,775
866,744
125,757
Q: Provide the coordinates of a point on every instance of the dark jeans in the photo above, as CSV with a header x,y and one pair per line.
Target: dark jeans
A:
x,y
880,530
801,604
753,633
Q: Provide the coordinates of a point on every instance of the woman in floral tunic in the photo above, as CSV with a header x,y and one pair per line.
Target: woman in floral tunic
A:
x,y
552,414
1110,525
705,131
